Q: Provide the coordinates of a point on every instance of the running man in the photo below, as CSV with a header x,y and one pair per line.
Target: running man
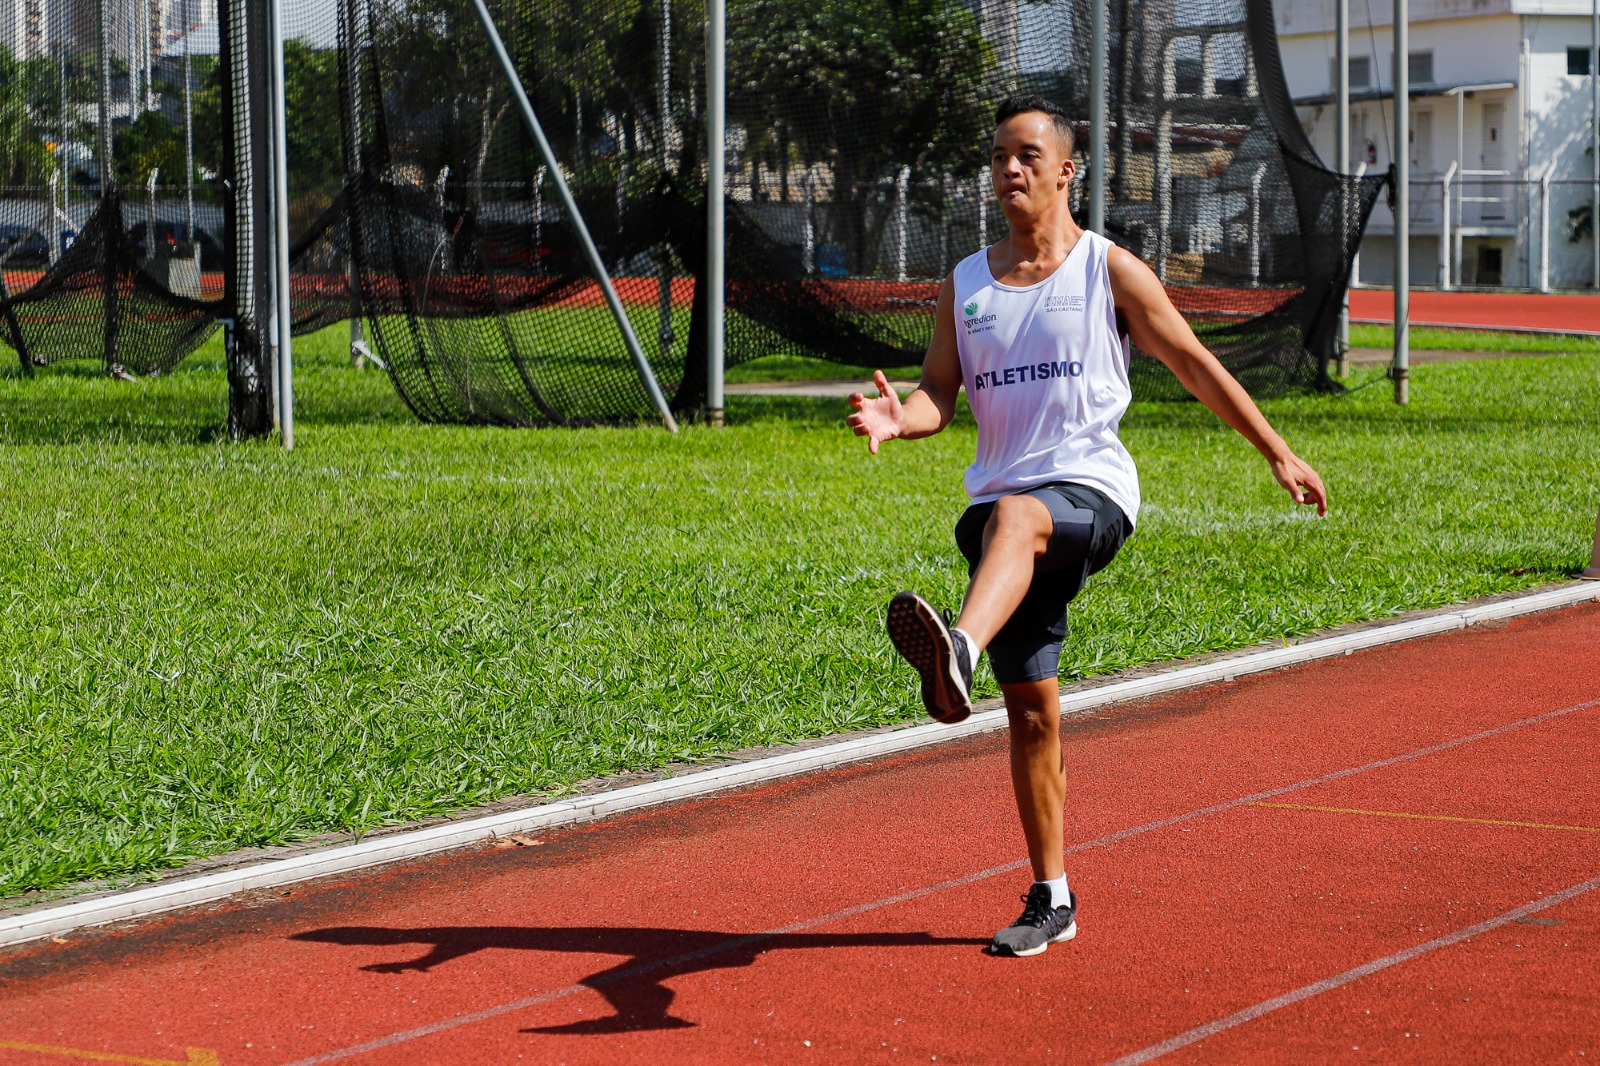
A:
x,y
1037,329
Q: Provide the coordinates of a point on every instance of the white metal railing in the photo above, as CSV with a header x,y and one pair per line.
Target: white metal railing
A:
x,y
1527,223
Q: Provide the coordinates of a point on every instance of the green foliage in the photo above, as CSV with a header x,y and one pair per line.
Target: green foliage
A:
x,y
1580,223
864,80
212,645
852,84
148,143
24,157
315,131
1473,340
580,58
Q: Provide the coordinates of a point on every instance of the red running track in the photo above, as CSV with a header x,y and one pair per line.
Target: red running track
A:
x,y
1541,312
1392,856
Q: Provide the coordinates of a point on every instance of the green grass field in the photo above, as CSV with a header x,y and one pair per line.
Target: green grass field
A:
x,y
210,645
1474,340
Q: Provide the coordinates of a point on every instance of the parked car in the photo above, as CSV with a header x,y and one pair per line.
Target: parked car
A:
x,y
25,246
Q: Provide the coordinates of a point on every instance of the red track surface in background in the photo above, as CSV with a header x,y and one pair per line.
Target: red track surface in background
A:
x,y
1555,313
1229,846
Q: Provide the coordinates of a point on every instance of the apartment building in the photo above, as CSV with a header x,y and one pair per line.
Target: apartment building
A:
x,y
1502,122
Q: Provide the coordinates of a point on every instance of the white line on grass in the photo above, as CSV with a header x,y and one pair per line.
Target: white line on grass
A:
x,y
1327,984
734,943
35,924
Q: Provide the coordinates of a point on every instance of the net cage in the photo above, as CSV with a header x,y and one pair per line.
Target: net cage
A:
x,y
856,148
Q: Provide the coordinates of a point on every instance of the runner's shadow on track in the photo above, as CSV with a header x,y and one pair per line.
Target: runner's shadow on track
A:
x,y
632,986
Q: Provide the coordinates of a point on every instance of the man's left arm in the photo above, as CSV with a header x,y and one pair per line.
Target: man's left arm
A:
x,y
1155,325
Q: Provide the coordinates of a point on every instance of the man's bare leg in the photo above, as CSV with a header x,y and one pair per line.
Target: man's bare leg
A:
x,y
1038,773
1017,534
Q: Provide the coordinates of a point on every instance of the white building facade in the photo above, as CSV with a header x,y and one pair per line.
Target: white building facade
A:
x,y
1501,117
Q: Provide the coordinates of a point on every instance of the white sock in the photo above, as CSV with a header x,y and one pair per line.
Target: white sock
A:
x,y
1059,896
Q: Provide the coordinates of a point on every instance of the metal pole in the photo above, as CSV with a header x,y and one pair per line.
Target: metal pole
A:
x,y
590,252
1544,228
280,219
1444,226
664,332
808,230
1355,260
352,180
1255,223
983,209
716,233
1098,152
1402,203
1461,209
902,189
1341,152
110,332
188,130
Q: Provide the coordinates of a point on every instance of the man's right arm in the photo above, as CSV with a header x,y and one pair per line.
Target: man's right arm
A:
x,y
932,404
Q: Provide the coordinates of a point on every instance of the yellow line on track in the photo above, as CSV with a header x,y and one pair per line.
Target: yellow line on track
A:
x,y
1427,817
197,1056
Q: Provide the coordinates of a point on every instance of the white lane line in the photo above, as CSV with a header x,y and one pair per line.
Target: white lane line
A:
x,y
889,901
1327,984
64,918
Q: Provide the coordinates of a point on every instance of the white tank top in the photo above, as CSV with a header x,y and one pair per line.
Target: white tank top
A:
x,y
1046,373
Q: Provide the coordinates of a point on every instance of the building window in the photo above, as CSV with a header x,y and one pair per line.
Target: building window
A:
x,y
1578,61
1419,67
1360,72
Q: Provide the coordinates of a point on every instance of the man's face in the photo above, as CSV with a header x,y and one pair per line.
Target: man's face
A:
x,y
1030,166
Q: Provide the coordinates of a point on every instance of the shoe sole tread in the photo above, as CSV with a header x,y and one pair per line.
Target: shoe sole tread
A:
x,y
916,634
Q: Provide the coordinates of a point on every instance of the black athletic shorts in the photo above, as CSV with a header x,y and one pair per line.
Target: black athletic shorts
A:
x,y
1089,529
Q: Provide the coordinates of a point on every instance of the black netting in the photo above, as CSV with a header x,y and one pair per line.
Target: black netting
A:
x,y
134,262
856,153
106,261
857,145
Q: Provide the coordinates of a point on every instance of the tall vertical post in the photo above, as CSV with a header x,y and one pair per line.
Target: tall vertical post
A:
x,y
902,190
108,180
188,132
1445,184
354,55
1098,152
248,221
280,218
808,229
664,332
984,192
1341,152
716,128
1402,203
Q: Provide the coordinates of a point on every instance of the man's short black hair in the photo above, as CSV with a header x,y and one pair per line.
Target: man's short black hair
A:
x,y
1018,105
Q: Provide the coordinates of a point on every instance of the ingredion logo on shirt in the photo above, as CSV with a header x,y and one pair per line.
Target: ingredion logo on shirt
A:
x,y
976,323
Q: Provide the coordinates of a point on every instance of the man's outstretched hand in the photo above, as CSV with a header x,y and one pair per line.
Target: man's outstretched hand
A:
x,y
1294,474
876,418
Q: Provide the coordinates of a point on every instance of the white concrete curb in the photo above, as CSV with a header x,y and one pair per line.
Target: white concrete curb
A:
x,y
205,888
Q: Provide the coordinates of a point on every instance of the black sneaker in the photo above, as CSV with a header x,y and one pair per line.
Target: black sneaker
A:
x,y
1040,925
924,639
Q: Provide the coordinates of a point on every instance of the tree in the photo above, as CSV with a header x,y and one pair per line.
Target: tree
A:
x,y
24,156
866,87
314,131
